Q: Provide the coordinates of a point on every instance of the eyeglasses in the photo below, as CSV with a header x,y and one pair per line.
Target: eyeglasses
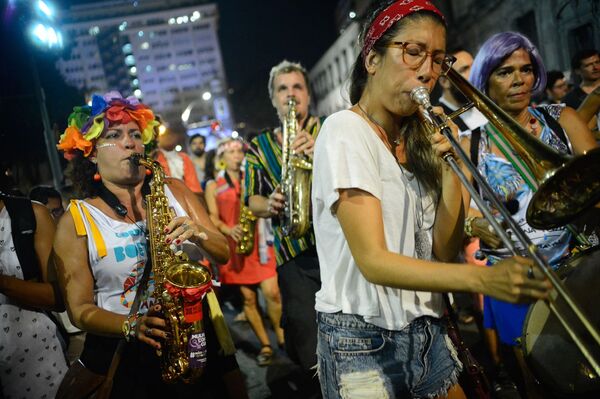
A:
x,y
414,55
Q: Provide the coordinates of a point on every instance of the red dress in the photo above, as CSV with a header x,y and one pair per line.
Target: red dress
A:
x,y
246,270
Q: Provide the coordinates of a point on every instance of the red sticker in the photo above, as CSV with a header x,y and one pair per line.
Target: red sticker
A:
x,y
192,312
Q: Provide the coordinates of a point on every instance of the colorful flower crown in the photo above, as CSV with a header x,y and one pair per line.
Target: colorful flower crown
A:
x,y
86,124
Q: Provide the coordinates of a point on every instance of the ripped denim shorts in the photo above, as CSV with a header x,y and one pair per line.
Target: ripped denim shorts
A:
x,y
357,359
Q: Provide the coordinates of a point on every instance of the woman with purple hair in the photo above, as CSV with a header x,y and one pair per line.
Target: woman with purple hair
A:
x,y
509,70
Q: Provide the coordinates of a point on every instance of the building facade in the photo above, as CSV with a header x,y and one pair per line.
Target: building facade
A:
x,y
166,53
559,28
330,76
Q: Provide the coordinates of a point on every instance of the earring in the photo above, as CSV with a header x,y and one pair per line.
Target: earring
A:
x,y
97,177
148,172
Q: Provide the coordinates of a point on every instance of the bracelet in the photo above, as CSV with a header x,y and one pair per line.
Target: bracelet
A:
x,y
128,326
468,228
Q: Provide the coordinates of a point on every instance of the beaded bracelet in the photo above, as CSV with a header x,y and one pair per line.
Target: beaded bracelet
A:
x,y
468,228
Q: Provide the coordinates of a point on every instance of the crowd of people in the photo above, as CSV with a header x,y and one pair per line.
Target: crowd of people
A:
x,y
357,300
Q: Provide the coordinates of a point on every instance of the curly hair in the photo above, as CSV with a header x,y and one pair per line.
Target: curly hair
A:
x,y
81,173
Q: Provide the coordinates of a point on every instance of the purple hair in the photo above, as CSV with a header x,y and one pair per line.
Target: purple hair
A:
x,y
497,49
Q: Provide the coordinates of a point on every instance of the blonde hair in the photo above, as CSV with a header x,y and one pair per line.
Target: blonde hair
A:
x,y
286,66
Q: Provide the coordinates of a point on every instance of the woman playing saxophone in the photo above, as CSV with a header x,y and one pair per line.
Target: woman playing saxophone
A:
x,y
100,251
255,269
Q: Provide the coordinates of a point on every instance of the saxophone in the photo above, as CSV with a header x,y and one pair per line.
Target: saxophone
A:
x,y
295,180
248,225
183,356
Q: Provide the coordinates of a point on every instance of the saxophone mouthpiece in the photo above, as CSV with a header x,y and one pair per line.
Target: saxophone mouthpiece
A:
x,y
135,158
420,95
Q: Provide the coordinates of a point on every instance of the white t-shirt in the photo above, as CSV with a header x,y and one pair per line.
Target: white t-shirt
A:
x,y
349,154
118,274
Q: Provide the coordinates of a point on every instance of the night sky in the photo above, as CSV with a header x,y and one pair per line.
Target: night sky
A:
x,y
254,35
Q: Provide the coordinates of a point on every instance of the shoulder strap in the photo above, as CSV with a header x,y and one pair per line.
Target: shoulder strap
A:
x,y
23,226
555,126
474,150
76,214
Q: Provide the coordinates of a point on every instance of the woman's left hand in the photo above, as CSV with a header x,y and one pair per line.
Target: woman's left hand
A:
x,y
150,328
183,228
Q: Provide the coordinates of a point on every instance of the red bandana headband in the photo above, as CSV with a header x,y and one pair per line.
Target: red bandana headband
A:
x,y
392,14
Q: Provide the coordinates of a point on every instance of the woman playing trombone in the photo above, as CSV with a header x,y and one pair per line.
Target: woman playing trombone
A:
x,y
388,221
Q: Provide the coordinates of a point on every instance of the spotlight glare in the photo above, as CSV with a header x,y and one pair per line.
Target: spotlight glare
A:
x,y
45,8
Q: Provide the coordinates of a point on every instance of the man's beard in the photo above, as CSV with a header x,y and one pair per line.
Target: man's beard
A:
x,y
198,152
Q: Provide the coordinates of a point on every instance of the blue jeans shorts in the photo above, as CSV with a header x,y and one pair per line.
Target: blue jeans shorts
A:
x,y
357,359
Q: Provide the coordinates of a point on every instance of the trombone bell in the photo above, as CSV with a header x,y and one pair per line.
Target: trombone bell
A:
x,y
567,185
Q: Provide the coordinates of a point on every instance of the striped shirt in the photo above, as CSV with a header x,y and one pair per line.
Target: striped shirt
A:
x,y
263,174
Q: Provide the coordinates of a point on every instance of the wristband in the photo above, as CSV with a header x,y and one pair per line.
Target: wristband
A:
x,y
468,228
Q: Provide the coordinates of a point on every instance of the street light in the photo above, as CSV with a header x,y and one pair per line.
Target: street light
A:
x,y
45,34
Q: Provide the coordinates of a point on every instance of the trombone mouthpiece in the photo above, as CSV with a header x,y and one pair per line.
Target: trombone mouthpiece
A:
x,y
420,95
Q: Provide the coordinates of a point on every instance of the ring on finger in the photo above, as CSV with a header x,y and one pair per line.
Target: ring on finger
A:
x,y
530,274
148,331
185,227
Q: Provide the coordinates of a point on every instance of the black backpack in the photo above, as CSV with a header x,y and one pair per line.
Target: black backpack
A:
x,y
23,226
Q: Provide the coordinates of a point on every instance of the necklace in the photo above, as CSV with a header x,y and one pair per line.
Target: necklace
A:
x,y
418,204
396,141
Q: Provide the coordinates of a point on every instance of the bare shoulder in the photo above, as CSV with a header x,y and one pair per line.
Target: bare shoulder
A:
x,y
41,213
39,210
65,230
210,185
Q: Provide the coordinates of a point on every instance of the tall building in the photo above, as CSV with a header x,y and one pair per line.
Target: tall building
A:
x,y
329,77
165,52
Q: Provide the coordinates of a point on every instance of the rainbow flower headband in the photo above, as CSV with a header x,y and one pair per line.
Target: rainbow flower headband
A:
x,y
86,124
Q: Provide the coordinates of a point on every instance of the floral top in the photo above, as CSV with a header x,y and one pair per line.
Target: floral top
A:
x,y
511,189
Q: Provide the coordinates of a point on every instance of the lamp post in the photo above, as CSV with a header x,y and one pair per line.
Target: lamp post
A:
x,y
44,34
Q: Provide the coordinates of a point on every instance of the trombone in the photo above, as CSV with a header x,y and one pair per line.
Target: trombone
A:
x,y
558,176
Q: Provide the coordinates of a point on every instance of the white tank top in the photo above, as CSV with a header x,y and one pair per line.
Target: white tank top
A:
x,y
117,254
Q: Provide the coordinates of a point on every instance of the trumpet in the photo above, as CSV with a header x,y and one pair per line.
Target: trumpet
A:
x,y
553,170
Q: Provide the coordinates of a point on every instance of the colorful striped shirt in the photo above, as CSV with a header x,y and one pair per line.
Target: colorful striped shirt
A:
x,y
263,174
